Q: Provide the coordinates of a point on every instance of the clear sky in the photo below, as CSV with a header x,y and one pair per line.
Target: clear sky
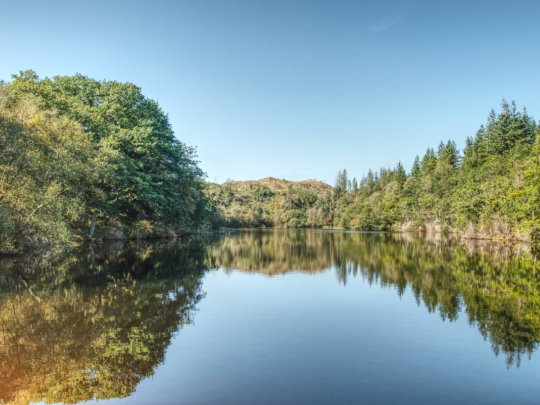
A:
x,y
294,89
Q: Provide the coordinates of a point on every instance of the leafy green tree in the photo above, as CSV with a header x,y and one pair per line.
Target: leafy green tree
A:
x,y
134,178
45,174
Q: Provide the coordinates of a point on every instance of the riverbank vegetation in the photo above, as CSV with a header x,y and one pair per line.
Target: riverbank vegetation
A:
x,y
490,189
82,158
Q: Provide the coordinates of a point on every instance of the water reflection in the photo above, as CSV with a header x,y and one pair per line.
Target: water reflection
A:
x,y
94,323
274,251
93,327
497,286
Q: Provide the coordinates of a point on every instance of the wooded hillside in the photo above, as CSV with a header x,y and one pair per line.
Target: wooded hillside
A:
x,y
273,202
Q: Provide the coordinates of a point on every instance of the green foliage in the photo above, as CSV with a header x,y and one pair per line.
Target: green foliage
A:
x,y
81,157
490,191
91,154
272,202
342,183
45,171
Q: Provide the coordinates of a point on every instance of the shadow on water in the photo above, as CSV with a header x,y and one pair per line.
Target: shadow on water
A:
x,y
94,323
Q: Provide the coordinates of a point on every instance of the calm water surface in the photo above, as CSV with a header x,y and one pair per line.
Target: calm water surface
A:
x,y
272,317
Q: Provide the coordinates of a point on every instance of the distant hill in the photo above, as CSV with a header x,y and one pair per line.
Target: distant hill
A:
x,y
273,202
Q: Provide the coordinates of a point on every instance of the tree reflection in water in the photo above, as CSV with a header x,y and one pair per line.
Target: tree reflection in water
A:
x,y
94,323
497,286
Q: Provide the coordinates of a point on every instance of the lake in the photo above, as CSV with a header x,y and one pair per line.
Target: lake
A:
x,y
272,316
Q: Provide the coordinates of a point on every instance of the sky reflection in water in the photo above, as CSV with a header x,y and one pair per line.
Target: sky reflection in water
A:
x,y
272,316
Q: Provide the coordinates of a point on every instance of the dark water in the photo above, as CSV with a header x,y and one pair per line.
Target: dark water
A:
x,y
272,317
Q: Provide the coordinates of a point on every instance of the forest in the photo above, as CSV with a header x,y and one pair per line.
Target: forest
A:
x,y
272,202
82,159
88,159
490,189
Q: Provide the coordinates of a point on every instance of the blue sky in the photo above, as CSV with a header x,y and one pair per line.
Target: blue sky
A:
x,y
294,89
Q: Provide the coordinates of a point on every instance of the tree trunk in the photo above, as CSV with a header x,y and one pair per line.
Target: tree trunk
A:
x,y
92,226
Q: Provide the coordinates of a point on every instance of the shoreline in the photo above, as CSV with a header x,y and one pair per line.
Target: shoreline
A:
x,y
511,241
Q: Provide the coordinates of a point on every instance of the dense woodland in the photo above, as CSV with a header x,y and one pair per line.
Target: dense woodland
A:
x,y
83,158
491,189
273,202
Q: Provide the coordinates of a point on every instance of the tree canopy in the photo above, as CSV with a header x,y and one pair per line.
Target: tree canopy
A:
x,y
83,158
80,155
491,189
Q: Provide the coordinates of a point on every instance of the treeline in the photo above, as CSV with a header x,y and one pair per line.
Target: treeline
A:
x,y
490,189
82,158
